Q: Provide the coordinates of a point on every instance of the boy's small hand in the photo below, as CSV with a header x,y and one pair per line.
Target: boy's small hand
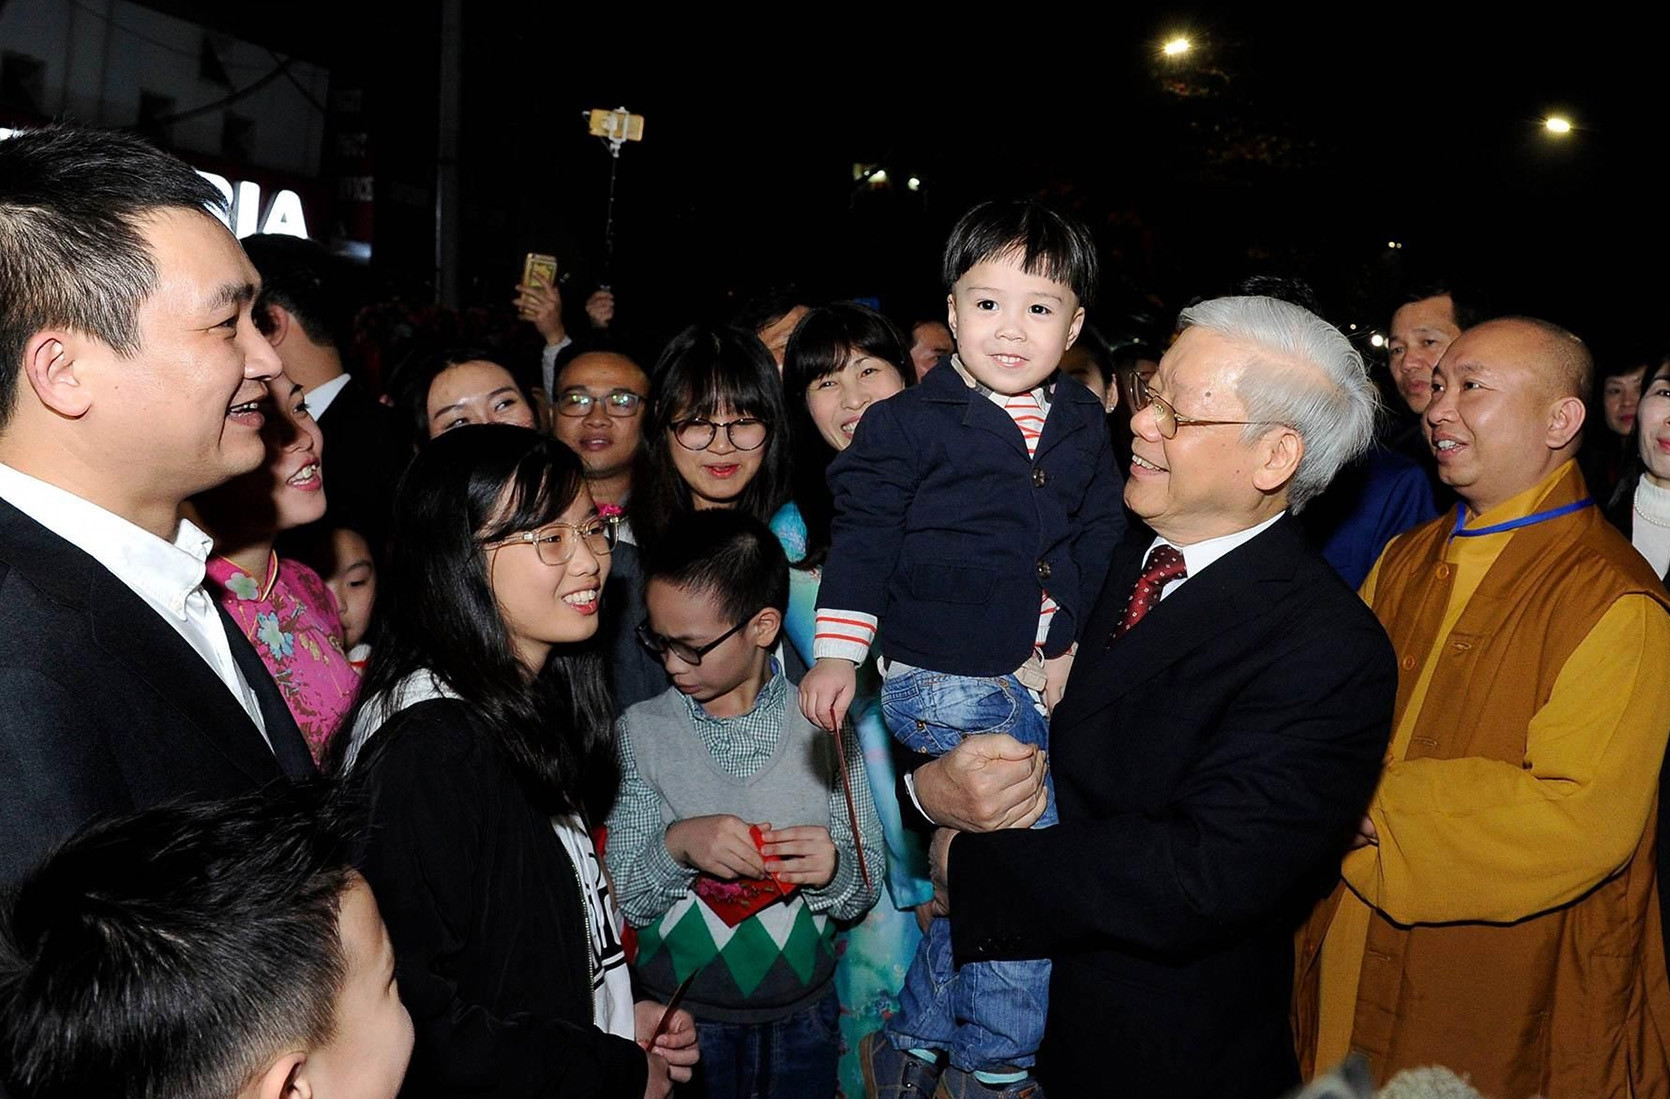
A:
x,y
1056,670
719,845
801,856
828,686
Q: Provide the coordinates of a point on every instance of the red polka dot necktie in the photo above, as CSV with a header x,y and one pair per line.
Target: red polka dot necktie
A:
x,y
1164,564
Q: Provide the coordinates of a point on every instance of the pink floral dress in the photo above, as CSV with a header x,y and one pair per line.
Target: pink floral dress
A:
x,y
293,624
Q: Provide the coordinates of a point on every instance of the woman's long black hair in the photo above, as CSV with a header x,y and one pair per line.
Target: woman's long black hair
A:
x,y
704,369
467,487
822,343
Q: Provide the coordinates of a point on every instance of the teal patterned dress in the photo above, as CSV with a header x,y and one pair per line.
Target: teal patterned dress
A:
x,y
875,952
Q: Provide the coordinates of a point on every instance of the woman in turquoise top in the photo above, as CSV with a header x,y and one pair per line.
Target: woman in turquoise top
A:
x,y
841,359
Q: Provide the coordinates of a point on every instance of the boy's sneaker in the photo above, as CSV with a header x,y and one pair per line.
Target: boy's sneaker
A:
x,y
957,1084
892,1073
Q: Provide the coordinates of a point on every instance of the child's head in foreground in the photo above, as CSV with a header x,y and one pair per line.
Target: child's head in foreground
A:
x,y
716,589
1018,276
214,950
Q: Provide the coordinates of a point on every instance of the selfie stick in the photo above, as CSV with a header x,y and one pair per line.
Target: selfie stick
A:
x,y
616,128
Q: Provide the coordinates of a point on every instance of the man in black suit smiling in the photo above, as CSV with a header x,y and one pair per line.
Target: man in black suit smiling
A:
x,y
1218,740
131,377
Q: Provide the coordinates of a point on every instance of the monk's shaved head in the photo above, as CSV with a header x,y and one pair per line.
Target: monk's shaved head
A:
x,y
1557,355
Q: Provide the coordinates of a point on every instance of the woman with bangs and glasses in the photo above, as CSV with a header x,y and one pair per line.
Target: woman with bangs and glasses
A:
x,y
483,743
716,435
842,359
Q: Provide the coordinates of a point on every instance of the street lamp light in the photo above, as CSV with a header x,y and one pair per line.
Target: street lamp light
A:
x,y
1558,125
1176,47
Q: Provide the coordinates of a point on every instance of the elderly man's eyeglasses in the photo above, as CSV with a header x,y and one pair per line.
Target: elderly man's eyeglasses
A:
x,y
1168,419
689,654
618,402
744,434
556,542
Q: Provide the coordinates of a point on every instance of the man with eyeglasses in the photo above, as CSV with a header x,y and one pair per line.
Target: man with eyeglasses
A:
x,y
598,409
1219,736
599,403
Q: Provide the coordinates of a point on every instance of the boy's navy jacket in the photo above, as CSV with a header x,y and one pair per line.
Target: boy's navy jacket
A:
x,y
948,533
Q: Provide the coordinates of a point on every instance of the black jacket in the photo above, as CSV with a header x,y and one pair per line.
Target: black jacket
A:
x,y
484,908
363,458
949,533
105,709
1211,766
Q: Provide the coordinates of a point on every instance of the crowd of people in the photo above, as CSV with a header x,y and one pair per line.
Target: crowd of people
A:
x,y
826,704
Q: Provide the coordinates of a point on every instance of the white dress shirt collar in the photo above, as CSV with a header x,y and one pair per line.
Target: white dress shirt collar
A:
x,y
161,573
1198,556
320,396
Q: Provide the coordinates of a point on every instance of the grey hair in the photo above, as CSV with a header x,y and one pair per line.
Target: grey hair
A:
x,y
1301,371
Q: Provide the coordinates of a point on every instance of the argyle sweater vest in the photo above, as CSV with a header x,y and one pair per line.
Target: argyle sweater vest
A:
x,y
781,958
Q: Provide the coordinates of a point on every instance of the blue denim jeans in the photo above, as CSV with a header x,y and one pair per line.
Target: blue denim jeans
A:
x,y
985,1015
931,712
790,1058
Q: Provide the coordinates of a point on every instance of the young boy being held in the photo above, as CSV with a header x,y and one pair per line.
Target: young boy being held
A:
x,y
216,950
731,844
975,518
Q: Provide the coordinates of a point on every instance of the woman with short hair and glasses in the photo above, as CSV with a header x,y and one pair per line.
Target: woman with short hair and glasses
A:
x,y
716,435
484,745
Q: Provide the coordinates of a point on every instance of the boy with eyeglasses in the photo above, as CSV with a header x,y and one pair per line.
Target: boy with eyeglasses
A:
x,y
733,844
975,516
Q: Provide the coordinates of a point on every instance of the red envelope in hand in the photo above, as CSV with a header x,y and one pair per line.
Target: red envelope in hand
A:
x,y
758,837
735,901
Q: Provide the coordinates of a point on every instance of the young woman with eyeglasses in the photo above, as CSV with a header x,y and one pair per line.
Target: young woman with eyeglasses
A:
x,y
717,432
483,743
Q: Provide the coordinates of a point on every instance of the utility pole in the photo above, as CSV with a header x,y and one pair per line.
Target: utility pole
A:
x,y
446,155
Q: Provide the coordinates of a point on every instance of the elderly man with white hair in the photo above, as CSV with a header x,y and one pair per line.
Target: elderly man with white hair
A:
x,y
1218,741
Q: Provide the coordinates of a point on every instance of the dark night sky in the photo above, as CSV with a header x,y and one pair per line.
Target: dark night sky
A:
x,y
1283,145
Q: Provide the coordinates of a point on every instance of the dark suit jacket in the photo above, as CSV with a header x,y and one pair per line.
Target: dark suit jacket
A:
x,y
104,708
1210,767
363,459
948,532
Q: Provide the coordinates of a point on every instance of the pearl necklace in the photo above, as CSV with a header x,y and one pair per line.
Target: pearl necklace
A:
x,y
1648,518
1657,498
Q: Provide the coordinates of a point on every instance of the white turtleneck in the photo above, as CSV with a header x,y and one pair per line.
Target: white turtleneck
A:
x,y
1652,524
